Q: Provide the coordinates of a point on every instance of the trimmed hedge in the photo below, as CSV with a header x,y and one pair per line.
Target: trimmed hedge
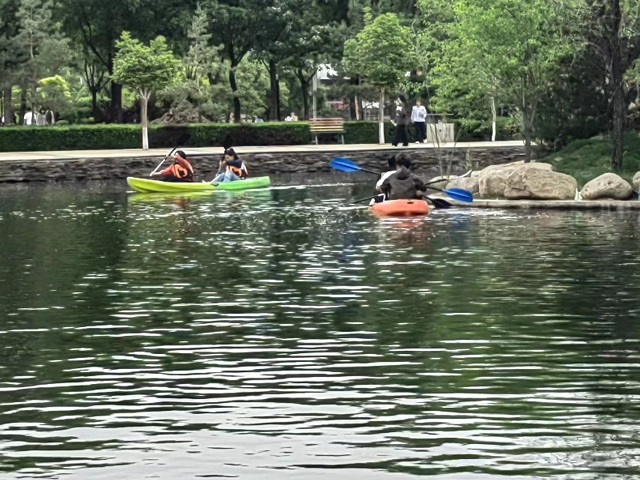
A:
x,y
107,137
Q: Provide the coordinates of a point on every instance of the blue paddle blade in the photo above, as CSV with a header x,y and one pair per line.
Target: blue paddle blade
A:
x,y
344,165
460,195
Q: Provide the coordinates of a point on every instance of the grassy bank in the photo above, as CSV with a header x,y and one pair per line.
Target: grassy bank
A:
x,y
587,159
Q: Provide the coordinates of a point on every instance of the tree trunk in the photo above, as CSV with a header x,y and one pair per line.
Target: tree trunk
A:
x,y
273,87
116,103
353,115
526,125
619,110
617,130
94,104
381,118
304,86
493,119
526,120
315,93
234,89
8,107
23,103
144,104
279,105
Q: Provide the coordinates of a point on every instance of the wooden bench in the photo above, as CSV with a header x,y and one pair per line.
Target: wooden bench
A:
x,y
327,125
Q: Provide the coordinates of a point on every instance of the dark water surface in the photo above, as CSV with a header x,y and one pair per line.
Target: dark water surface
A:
x,y
261,335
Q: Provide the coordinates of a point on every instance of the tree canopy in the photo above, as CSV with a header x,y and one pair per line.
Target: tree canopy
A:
x,y
546,71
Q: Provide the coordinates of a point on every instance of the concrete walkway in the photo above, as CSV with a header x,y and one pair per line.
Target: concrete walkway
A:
x,y
272,149
551,204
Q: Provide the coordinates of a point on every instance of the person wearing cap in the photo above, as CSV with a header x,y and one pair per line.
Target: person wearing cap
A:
x,y
179,171
234,168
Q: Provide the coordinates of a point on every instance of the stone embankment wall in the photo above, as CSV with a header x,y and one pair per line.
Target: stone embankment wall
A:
x,y
427,163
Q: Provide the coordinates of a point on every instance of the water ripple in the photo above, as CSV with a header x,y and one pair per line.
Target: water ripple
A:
x,y
268,334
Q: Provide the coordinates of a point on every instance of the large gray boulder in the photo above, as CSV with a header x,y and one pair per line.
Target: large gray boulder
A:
x,y
607,185
441,181
470,184
492,180
636,182
539,184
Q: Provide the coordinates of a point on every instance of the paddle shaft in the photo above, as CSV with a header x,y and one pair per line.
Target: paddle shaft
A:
x,y
162,162
184,138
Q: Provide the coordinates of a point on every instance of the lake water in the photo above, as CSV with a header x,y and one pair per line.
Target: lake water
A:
x,y
265,335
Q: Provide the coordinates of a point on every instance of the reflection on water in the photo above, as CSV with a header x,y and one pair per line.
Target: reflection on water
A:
x,y
266,334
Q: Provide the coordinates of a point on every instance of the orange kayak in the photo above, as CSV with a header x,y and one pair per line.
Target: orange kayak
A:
x,y
401,208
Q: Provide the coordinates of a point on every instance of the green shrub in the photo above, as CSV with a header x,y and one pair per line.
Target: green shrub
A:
x,y
588,158
507,128
96,137
367,132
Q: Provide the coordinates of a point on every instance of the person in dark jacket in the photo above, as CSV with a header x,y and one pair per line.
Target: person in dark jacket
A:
x,y
403,118
403,185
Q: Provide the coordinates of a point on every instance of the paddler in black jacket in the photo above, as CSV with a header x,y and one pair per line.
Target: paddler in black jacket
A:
x,y
403,185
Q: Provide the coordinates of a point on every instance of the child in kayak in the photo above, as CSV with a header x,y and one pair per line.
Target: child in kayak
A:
x,y
403,185
235,169
180,171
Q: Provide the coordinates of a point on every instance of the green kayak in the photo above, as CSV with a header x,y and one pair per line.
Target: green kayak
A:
x,y
145,185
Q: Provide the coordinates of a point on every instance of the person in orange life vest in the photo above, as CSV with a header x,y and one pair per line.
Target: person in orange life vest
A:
x,y
235,169
179,171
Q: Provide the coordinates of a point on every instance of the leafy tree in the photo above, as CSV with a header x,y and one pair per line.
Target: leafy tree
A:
x,y
235,24
98,24
12,56
54,93
508,49
255,88
145,69
96,78
613,28
383,53
204,68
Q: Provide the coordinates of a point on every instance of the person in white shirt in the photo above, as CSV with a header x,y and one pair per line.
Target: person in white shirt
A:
x,y
392,168
419,119
29,118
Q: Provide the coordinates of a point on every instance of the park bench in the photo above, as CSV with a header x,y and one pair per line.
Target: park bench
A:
x,y
319,126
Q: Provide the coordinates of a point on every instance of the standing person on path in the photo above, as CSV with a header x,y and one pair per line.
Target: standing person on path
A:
x,y
419,119
29,118
403,118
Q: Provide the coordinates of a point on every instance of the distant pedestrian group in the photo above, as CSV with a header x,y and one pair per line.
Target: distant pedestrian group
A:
x,y
404,117
31,118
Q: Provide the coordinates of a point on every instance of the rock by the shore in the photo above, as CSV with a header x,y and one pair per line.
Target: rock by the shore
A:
x,y
492,180
607,185
470,184
539,184
636,182
441,181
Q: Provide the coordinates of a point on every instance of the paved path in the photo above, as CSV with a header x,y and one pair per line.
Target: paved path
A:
x,y
552,204
161,152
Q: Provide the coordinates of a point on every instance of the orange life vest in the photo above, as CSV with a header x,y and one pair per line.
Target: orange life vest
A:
x,y
181,170
242,172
